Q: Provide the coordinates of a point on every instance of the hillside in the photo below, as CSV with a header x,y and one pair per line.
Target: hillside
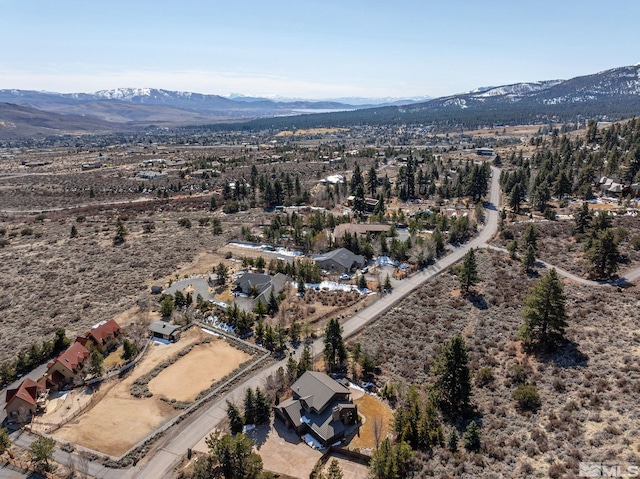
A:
x,y
21,121
608,95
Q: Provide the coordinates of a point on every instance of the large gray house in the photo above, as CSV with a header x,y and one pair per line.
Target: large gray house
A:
x,y
320,406
258,287
340,260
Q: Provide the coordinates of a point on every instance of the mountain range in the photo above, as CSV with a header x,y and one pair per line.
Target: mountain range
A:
x,y
610,94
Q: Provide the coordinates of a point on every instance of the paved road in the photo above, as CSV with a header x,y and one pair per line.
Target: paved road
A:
x,y
190,432
171,447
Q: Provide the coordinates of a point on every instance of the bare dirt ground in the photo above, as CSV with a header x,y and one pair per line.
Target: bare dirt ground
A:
x,y
589,389
184,379
376,414
118,420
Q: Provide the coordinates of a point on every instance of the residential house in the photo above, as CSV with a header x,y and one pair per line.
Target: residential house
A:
x,y
360,229
29,398
164,330
103,336
340,260
67,366
321,407
256,287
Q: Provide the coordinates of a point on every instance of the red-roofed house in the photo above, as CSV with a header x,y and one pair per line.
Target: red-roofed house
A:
x,y
27,399
65,368
103,336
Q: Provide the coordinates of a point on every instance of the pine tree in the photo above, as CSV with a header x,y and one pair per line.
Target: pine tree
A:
x,y
249,407
603,255
530,238
235,418
121,233
582,219
335,352
472,437
74,231
306,361
452,441
545,318
529,259
453,383
334,471
263,407
468,275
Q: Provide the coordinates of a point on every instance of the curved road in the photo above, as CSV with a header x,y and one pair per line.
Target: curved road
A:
x,y
188,433
174,444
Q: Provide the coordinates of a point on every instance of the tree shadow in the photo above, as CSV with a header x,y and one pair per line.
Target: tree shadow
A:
x,y
289,435
478,301
566,356
260,434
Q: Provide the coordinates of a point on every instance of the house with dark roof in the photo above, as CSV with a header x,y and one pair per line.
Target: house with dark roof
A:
x,y
321,407
340,260
163,330
67,366
29,398
258,287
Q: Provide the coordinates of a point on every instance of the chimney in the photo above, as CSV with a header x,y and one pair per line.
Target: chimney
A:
x,y
335,413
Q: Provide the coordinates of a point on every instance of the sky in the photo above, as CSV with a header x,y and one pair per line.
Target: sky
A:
x,y
310,49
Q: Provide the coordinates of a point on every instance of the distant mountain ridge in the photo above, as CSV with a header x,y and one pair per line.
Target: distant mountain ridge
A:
x,y
611,94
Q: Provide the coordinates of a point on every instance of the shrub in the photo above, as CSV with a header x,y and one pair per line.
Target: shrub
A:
x,y
527,397
518,374
26,232
184,222
484,377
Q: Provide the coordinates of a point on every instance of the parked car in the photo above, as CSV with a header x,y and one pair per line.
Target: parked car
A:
x,y
345,277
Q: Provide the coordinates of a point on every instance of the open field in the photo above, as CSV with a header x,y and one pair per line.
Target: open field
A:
x,y
377,415
589,389
119,420
193,373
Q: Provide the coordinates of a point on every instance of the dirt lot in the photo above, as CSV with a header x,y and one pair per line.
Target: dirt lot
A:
x,y
184,379
122,420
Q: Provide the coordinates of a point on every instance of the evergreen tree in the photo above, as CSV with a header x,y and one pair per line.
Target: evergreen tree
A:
x,y
74,231
529,259
263,407
249,407
230,457
391,461
468,275
222,272
472,437
306,361
530,238
334,471
96,363
235,418
335,352
452,441
5,440
166,306
603,255
129,349
545,318
582,219
453,380
121,233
